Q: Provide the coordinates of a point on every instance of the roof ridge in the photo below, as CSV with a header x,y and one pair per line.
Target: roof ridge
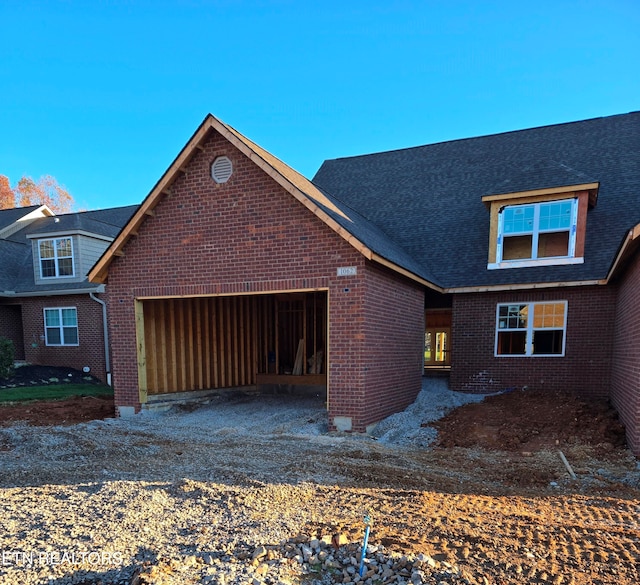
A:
x,y
479,136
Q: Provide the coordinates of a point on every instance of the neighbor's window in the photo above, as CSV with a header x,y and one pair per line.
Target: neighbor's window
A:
x,y
61,326
531,329
56,257
537,231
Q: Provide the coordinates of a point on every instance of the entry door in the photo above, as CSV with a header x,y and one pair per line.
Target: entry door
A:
x,y
436,346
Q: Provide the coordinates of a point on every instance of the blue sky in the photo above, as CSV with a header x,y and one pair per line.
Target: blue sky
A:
x,y
103,95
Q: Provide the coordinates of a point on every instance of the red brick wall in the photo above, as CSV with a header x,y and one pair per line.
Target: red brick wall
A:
x,y
393,343
625,375
89,352
11,328
585,368
246,235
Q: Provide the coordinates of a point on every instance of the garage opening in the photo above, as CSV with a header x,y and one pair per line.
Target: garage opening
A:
x,y
207,343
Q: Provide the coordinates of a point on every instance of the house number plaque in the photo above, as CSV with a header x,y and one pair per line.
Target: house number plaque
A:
x,y
347,271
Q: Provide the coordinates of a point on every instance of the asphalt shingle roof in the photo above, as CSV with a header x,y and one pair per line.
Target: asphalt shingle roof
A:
x,y
428,200
16,256
9,216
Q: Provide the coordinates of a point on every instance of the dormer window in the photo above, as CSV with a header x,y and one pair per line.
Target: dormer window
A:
x,y
539,228
538,231
56,257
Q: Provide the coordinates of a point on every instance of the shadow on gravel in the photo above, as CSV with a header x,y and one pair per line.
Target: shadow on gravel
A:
x,y
120,574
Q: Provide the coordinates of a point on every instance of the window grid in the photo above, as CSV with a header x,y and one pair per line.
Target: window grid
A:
x,y
61,326
543,335
529,221
56,258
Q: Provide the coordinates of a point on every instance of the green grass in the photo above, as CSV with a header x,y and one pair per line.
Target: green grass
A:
x,y
53,392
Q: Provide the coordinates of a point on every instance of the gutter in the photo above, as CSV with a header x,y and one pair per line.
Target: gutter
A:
x,y
51,293
107,362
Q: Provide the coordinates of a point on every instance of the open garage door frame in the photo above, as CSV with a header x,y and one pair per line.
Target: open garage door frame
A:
x,y
199,343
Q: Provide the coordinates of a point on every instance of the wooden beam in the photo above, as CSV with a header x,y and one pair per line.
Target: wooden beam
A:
x,y
141,352
526,286
541,192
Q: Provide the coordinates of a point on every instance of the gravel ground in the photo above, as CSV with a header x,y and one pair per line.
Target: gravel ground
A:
x,y
255,491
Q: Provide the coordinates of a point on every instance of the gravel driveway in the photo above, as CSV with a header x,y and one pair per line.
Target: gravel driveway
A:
x,y
254,490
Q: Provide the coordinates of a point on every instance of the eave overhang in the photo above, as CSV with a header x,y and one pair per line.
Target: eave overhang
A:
x,y
566,190
298,186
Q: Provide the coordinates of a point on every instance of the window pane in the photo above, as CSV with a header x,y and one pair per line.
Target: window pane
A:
x,y
46,249
65,267
48,268
518,219
512,317
69,317
555,215
512,342
517,247
548,315
53,336
427,346
70,335
547,342
51,318
64,247
553,244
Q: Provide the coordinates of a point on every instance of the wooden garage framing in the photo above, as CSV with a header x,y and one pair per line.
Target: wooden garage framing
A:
x,y
195,343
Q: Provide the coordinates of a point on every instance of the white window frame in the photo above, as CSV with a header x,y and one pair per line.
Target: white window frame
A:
x,y
56,258
570,258
60,327
530,329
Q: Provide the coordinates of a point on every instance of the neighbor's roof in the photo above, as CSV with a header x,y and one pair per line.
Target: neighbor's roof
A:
x,y
365,236
16,251
428,199
9,216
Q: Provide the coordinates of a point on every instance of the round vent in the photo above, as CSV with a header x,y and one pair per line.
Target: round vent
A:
x,y
221,169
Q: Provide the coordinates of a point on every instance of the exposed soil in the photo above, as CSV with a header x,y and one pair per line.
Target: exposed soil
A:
x,y
55,412
528,421
492,497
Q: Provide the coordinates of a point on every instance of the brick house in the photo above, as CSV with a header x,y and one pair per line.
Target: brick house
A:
x,y
48,308
507,261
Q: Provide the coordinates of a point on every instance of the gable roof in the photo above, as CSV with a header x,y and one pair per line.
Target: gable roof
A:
x,y
16,251
428,199
344,220
13,219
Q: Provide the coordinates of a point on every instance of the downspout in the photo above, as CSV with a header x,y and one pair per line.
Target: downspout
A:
x,y
107,363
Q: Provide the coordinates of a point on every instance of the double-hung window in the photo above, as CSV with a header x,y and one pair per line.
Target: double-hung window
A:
x,y
537,231
56,257
531,329
61,326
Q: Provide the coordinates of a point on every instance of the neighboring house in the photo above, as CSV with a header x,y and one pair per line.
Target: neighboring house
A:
x,y
48,308
508,260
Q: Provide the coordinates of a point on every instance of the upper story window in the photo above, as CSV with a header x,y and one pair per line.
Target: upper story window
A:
x,y
538,231
56,257
539,228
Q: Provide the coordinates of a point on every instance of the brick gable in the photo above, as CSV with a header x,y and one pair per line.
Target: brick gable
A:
x,y
250,236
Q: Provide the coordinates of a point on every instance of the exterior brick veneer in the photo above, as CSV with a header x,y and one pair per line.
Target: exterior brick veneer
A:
x,y
625,375
250,236
89,352
11,328
585,369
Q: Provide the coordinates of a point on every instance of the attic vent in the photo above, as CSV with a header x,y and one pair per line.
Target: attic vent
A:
x,y
221,169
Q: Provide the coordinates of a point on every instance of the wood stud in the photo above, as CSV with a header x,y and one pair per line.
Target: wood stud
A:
x,y
203,343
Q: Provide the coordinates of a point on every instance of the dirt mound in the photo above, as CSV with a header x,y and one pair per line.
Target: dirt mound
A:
x,y
530,420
